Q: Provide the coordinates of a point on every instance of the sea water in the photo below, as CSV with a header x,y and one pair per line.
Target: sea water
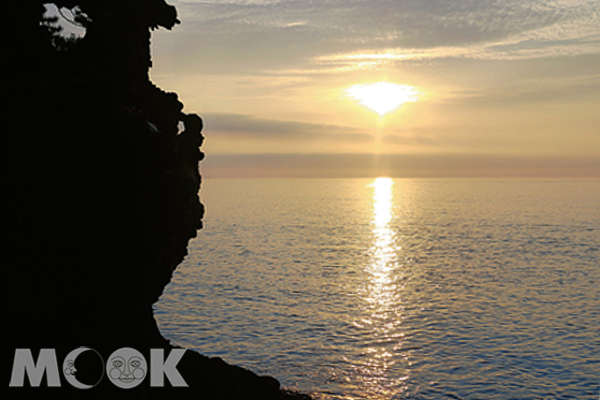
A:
x,y
397,288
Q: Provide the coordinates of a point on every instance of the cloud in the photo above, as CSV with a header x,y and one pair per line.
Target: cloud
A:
x,y
515,49
329,34
246,125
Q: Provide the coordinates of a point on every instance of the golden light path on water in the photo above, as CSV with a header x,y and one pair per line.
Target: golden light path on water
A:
x,y
382,317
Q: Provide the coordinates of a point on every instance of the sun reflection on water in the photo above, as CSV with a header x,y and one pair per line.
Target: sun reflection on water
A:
x,y
383,307
383,251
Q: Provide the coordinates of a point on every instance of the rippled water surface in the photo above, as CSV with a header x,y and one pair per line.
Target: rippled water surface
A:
x,y
393,289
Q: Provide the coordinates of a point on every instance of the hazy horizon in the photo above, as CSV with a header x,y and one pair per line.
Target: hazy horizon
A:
x,y
394,166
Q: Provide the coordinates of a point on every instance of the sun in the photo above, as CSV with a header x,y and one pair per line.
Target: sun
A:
x,y
382,97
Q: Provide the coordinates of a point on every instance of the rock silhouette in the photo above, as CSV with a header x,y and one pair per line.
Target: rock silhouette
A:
x,y
100,196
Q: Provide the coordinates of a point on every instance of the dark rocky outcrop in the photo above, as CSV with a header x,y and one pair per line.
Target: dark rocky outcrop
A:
x,y
99,196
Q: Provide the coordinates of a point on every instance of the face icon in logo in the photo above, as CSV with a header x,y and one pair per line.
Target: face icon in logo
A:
x,y
83,368
70,367
126,368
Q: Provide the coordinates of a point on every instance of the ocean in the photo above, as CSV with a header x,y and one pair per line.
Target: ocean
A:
x,y
397,288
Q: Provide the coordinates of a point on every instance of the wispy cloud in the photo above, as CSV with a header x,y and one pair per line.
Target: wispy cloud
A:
x,y
516,48
341,35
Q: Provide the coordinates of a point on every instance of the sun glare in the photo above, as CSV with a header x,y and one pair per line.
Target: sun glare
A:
x,y
382,197
382,97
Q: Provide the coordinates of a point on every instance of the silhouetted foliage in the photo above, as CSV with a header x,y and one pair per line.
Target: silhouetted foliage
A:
x,y
58,40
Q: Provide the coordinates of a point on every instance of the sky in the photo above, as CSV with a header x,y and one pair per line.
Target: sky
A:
x,y
501,88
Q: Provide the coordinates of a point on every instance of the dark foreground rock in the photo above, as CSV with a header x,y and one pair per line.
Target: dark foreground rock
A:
x,y
99,199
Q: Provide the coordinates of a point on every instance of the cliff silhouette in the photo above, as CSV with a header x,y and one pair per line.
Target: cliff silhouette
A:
x,y
100,196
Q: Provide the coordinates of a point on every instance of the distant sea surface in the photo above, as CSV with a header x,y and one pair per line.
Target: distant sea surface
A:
x,y
394,289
